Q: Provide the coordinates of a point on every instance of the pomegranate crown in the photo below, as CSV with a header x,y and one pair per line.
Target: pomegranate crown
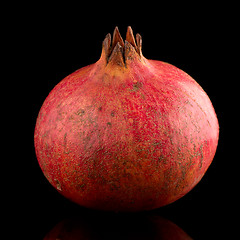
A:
x,y
119,52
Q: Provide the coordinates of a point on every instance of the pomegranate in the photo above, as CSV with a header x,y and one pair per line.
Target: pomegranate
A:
x,y
126,133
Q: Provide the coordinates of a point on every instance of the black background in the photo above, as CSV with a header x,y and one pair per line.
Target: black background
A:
x,y
51,42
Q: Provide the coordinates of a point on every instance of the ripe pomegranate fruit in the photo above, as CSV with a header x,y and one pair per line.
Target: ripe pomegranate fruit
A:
x,y
126,133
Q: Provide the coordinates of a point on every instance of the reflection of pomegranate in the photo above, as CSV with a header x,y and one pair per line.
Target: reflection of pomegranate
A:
x,y
117,227
126,133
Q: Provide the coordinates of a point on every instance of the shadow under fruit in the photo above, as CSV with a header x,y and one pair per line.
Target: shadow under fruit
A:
x,y
126,133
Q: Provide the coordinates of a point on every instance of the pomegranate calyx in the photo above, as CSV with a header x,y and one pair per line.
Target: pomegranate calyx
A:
x,y
118,52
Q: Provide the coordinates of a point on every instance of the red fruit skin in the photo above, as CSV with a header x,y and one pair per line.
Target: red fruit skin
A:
x,y
129,138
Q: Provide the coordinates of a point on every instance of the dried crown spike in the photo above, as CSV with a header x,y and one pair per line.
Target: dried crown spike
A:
x,y
107,45
139,43
130,37
117,38
116,56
